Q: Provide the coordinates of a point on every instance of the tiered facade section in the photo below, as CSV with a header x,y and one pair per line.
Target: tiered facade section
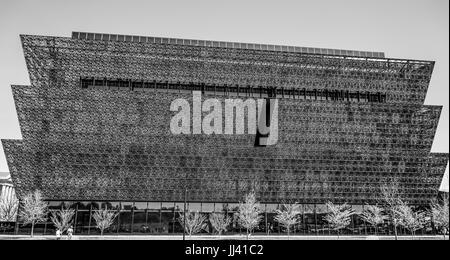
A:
x,y
95,124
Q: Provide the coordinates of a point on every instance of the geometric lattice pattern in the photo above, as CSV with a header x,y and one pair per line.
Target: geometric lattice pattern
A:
x,y
112,144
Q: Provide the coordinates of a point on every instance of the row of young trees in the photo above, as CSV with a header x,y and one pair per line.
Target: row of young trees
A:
x,y
392,209
339,217
33,210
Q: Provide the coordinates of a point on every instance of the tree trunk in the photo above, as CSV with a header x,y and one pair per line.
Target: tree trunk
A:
x,y
339,235
32,229
289,233
101,232
376,230
394,222
395,232
248,234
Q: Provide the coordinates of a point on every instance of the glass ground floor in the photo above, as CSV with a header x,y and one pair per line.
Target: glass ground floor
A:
x,y
153,218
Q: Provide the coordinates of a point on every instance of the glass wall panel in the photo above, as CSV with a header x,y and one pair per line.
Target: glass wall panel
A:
x,y
270,208
167,222
93,230
220,207
322,225
309,219
140,222
140,205
168,206
179,206
116,206
115,226
95,205
234,226
232,207
298,228
208,228
54,205
125,221
154,205
154,222
178,228
69,205
7,228
358,226
39,228
272,225
195,207
262,228
50,228
110,205
82,222
128,206
84,205
207,207
24,229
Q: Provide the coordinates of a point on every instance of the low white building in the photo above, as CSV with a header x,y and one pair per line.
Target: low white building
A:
x,y
6,187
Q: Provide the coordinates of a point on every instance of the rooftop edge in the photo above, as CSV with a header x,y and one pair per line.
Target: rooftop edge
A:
x,y
220,44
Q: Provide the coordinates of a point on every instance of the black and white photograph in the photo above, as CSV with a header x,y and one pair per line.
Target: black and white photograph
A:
x,y
236,123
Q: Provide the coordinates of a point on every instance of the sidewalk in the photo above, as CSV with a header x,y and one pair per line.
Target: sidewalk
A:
x,y
234,237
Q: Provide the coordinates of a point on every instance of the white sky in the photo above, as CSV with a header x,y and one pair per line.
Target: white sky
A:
x,y
415,29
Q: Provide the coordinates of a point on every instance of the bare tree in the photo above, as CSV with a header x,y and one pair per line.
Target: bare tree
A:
x,y
373,215
248,214
195,222
220,222
288,216
339,216
392,201
33,209
410,219
8,209
104,219
62,219
440,216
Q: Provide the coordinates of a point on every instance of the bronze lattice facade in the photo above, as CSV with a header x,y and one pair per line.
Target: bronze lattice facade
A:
x,y
95,123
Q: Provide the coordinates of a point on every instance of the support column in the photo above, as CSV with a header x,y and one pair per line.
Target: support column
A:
x,y
2,195
9,192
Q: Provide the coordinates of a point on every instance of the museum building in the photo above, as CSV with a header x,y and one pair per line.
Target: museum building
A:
x,y
95,124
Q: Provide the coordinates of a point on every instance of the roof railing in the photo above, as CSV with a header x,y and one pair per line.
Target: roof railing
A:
x,y
220,44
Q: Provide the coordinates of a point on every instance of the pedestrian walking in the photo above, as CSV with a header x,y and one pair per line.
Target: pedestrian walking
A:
x,y
70,233
58,234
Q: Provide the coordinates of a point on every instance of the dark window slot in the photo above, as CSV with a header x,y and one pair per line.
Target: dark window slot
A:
x,y
233,90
